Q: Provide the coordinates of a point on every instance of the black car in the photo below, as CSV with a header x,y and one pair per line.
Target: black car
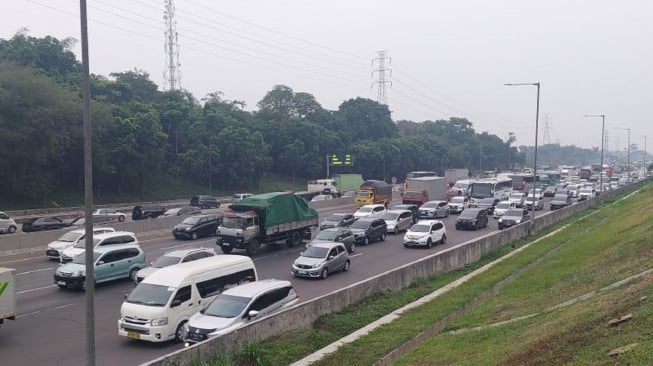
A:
x,y
182,211
560,201
550,191
368,229
488,204
197,226
43,223
204,202
512,217
142,212
412,208
472,218
80,221
337,220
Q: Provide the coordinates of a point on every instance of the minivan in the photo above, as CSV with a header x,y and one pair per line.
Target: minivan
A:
x,y
158,308
238,306
71,238
110,263
99,240
204,202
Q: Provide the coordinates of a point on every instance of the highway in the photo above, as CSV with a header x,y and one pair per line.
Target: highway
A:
x,y
52,320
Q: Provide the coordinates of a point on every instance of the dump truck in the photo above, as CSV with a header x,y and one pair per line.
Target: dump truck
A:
x,y
420,190
265,219
7,294
373,191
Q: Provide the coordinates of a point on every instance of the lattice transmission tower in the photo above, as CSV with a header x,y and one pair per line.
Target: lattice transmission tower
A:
x,y
547,134
382,73
172,72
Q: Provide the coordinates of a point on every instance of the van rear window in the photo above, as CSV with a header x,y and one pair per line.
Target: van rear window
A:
x,y
214,286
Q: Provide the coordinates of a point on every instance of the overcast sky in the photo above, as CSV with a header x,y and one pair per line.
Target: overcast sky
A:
x,y
448,58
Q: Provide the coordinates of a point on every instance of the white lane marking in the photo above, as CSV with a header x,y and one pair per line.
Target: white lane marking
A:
x,y
36,270
44,310
355,255
34,289
186,245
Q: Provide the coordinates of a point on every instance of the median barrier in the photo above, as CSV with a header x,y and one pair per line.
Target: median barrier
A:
x,y
304,314
342,201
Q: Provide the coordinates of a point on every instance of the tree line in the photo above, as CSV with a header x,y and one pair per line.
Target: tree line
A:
x,y
141,133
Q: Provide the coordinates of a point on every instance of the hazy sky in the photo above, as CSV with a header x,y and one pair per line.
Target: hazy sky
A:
x,y
448,58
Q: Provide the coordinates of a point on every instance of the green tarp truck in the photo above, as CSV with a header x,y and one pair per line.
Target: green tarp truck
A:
x,y
266,218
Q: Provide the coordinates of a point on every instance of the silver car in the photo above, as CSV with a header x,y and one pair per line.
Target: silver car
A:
x,y
7,224
434,209
397,220
321,259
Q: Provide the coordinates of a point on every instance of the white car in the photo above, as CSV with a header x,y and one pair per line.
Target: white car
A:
x,y
110,212
174,257
458,204
426,233
501,208
518,198
99,240
237,306
369,210
7,224
70,239
321,197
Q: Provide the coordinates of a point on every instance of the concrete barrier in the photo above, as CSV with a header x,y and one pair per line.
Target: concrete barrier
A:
x,y
304,314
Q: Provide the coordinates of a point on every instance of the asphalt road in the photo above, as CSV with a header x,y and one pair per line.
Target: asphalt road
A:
x,y
52,320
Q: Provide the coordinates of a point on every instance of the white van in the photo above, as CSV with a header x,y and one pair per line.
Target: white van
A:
x,y
158,308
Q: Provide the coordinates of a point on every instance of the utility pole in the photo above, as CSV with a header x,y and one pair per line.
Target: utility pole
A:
x,y
381,70
171,74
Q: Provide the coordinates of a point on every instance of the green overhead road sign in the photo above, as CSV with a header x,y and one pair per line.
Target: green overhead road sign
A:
x,y
335,160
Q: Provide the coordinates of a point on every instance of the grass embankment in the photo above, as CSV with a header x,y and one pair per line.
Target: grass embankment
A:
x,y
615,242
166,187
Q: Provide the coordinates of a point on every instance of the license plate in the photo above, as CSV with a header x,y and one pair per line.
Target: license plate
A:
x,y
301,272
225,244
61,283
133,335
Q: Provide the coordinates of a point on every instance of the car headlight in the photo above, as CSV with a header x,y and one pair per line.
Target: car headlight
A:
x,y
77,274
318,265
189,228
518,221
159,322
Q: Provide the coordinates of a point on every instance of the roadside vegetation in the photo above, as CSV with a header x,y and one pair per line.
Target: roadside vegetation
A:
x,y
576,265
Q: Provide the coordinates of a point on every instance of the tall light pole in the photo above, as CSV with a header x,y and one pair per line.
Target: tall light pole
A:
x,y
602,141
628,167
537,118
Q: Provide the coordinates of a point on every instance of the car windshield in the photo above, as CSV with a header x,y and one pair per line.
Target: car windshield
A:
x,y
516,195
468,214
191,220
457,199
365,209
560,197
413,194
70,237
585,191
226,306
503,205
335,217
81,257
234,222
429,205
513,212
82,244
420,228
149,294
165,261
487,201
389,216
329,235
315,252
360,224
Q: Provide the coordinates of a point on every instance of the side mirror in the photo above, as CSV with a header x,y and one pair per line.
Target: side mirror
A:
x,y
330,257
252,314
175,303
100,262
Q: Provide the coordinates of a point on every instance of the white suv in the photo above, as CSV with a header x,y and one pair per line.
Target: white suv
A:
x,y
369,210
174,257
71,238
238,306
426,233
100,240
7,224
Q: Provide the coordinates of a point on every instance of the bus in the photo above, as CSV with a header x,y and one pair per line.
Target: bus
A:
x,y
524,182
585,173
490,187
421,173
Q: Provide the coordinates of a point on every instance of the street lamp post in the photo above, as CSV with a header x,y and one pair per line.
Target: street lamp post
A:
x,y
602,141
645,167
537,118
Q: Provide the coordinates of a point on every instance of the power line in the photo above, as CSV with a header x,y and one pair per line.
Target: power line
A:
x,y
381,70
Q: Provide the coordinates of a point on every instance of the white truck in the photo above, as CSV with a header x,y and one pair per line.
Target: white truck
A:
x,y
420,190
7,294
454,175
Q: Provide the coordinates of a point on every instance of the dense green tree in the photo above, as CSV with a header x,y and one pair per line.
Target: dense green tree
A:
x,y
365,119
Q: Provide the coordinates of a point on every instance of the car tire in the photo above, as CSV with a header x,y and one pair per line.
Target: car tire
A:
x,y
11,230
294,240
443,240
383,236
179,333
252,248
366,241
352,248
324,274
345,268
193,236
396,231
429,243
132,274
226,250
121,218
62,286
448,212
